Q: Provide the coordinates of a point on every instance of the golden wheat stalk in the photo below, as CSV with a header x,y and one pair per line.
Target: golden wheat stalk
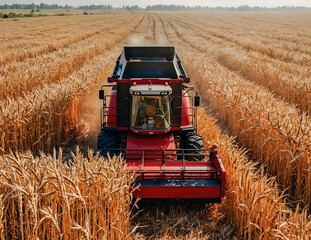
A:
x,y
89,198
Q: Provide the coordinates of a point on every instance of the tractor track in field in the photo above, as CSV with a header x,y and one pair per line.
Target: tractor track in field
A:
x,y
163,28
147,28
153,30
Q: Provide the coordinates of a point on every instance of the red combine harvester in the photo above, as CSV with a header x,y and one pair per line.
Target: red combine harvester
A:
x,y
150,119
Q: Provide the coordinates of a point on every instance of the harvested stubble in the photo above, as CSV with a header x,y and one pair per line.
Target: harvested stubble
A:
x,y
182,220
46,198
273,130
252,202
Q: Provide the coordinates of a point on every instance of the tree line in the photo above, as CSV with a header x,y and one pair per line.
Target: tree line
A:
x,y
172,7
157,7
55,6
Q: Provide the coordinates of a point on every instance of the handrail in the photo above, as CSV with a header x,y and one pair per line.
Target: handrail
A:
x,y
104,110
160,154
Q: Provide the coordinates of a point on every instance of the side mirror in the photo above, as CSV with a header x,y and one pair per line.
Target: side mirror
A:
x,y
101,94
196,101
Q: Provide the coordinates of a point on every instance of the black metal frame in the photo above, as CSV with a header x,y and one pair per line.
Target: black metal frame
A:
x,y
149,55
104,110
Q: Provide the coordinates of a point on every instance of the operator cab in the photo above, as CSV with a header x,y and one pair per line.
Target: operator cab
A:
x,y
150,107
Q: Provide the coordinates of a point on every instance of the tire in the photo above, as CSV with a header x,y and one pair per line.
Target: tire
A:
x,y
106,141
192,140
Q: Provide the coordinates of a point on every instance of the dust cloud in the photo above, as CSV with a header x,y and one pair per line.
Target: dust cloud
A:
x,y
139,40
89,123
145,40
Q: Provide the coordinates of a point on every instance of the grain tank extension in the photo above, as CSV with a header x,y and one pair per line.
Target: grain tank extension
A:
x,y
149,116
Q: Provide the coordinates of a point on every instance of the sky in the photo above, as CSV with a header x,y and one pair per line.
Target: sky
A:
x,y
144,3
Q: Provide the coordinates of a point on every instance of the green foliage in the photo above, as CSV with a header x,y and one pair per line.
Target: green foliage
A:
x,y
158,7
28,15
20,15
85,13
12,15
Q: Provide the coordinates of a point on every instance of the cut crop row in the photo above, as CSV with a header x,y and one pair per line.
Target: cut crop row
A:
x,y
22,77
32,43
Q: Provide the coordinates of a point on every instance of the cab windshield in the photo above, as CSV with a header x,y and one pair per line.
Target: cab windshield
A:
x,y
150,112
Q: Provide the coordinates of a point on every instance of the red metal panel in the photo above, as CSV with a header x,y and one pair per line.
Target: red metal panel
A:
x,y
172,170
138,142
170,165
218,164
185,111
123,128
112,110
177,192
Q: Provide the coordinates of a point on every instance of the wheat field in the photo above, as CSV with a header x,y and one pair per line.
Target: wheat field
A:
x,y
253,73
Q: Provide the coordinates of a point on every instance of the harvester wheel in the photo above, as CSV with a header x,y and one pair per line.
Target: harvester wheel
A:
x,y
106,141
193,140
